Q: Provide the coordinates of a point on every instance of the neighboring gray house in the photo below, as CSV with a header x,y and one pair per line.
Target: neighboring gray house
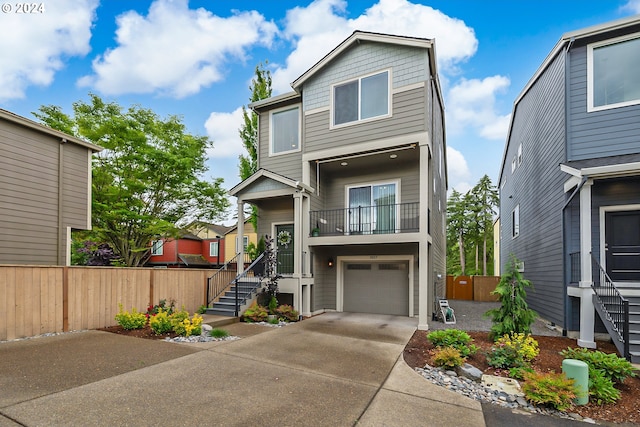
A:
x,y
45,191
352,180
570,181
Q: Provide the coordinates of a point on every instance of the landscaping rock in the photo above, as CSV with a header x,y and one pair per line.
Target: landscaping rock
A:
x,y
471,372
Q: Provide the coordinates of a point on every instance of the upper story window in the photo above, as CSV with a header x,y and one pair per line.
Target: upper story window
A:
x,y
613,79
361,99
214,248
285,130
515,222
157,247
245,243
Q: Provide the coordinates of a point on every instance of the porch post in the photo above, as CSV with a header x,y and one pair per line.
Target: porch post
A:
x,y
424,294
587,311
297,249
240,239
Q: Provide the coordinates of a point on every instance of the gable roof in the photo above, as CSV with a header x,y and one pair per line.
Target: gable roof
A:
x,y
270,175
359,36
565,42
23,121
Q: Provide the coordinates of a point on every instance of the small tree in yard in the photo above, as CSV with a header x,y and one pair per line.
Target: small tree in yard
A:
x,y
514,314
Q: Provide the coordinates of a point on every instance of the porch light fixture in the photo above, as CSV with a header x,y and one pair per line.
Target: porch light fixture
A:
x,y
393,156
344,164
330,263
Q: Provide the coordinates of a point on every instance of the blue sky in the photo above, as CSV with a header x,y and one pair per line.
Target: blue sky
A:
x,y
196,59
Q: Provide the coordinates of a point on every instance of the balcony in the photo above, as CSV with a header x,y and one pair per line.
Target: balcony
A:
x,y
366,220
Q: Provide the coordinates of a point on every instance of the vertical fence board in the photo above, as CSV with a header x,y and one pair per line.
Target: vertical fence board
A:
x,y
42,299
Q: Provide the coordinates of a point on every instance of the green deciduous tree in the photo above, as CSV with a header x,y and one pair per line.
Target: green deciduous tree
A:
x,y
147,181
260,89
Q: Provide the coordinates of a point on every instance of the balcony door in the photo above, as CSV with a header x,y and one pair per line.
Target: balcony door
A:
x,y
372,208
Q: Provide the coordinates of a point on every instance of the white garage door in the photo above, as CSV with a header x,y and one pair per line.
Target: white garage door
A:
x,y
376,287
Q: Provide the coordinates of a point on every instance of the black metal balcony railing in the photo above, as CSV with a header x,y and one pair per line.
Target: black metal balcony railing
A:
x,y
378,219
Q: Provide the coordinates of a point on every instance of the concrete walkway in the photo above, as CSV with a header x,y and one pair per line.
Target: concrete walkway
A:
x,y
336,369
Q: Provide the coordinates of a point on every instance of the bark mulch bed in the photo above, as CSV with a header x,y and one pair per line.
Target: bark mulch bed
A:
x,y
625,410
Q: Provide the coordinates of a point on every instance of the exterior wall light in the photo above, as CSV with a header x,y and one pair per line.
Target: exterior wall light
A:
x,y
330,263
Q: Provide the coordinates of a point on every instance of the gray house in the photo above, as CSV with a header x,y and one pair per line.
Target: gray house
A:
x,y
45,191
352,180
570,184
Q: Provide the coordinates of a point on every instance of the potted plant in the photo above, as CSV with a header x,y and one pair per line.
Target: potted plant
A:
x,y
316,231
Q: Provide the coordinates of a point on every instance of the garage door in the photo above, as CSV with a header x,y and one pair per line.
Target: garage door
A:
x,y
380,287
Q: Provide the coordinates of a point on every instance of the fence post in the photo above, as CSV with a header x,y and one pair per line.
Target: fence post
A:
x,y
152,277
65,299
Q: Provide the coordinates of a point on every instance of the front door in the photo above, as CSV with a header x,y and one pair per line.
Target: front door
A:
x,y
284,244
622,246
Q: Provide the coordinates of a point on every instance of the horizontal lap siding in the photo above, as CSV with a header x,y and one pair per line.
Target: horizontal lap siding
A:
x,y
28,196
409,116
600,133
289,165
537,187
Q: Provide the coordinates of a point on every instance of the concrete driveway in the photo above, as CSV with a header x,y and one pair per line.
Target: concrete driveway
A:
x,y
336,369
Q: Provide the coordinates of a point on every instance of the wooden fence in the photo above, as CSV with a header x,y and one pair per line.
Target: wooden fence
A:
x,y
36,300
472,288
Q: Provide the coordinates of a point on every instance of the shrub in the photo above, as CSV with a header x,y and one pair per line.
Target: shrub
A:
x,y
274,321
152,310
273,305
519,372
514,314
448,357
131,320
255,313
161,322
601,388
615,368
183,325
286,313
202,309
218,333
555,390
513,351
455,338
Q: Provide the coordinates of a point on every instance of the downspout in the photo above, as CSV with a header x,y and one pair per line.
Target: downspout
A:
x,y
567,133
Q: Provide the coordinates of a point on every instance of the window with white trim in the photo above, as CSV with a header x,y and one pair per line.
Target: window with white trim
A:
x,y
157,247
613,79
361,99
515,222
214,248
245,241
519,154
285,130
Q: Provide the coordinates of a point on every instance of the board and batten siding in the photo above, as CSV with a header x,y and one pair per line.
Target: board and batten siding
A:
x,y
536,185
37,206
604,133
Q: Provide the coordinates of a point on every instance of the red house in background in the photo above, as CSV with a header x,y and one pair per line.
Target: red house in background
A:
x,y
201,247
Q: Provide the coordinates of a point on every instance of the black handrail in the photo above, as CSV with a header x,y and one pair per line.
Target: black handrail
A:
x,y
244,275
359,220
608,294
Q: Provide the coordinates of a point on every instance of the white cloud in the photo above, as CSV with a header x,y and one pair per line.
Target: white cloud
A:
x,y
175,50
471,103
632,5
223,130
319,27
34,46
457,171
